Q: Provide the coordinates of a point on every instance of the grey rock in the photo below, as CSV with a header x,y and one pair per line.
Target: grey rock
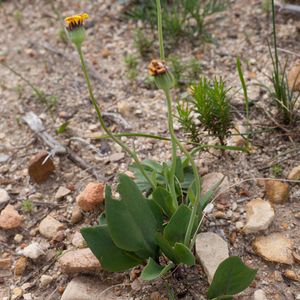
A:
x,y
3,158
88,288
260,215
62,192
4,197
33,251
211,250
259,295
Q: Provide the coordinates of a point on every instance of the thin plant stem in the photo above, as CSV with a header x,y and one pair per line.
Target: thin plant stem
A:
x,y
196,174
275,37
174,148
174,139
108,132
160,31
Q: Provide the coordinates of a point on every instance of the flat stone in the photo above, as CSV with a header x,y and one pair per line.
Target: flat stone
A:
x,y
33,251
78,240
211,250
294,174
237,139
20,266
10,218
4,158
211,179
290,274
260,215
116,157
277,191
88,288
49,227
91,197
38,170
259,295
275,247
294,78
5,263
4,197
45,280
62,192
17,293
81,260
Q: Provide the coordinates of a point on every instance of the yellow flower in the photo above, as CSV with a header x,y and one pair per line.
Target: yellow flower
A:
x,y
76,21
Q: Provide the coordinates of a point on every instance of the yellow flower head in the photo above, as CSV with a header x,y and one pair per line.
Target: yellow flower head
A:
x,y
76,21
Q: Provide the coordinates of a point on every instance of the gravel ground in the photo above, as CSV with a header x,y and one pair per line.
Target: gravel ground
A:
x,y
30,43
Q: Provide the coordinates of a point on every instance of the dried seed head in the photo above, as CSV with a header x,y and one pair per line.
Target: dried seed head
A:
x,y
162,77
157,67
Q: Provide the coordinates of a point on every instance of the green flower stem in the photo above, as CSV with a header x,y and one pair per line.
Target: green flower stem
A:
x,y
108,132
187,238
174,148
160,31
175,141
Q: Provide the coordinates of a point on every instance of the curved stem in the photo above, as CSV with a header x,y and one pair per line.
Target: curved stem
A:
x,y
108,132
160,32
187,238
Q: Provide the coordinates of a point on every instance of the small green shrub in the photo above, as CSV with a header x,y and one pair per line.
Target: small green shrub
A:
x,y
131,63
181,17
211,104
276,170
142,43
286,99
184,73
27,206
185,118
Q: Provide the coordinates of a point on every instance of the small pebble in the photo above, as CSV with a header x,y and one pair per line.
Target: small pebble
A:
x,y
18,238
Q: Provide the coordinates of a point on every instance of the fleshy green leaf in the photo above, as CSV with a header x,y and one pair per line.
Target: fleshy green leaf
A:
x,y
153,270
231,277
131,222
164,199
111,257
176,229
62,128
179,169
178,253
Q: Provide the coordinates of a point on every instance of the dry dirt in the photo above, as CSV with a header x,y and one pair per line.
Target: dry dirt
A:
x,y
30,43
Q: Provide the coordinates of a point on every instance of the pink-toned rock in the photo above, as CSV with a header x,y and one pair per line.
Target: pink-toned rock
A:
x,y
10,218
5,263
49,227
39,170
91,197
294,78
81,260
277,191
